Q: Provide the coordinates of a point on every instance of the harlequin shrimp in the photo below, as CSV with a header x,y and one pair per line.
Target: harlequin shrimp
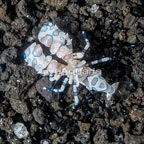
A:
x,y
76,71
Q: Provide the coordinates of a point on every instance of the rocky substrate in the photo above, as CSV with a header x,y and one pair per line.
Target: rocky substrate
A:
x,y
30,115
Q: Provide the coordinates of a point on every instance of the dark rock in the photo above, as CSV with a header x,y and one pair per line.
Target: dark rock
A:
x,y
9,39
137,1
138,128
4,26
36,1
20,79
8,55
23,10
132,139
91,2
108,23
21,26
100,137
141,21
89,25
74,26
111,7
116,35
38,116
140,38
4,76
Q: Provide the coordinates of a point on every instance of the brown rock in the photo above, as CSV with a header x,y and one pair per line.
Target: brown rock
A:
x,y
58,4
19,106
122,35
129,20
98,14
83,11
125,10
132,39
3,14
137,115
84,126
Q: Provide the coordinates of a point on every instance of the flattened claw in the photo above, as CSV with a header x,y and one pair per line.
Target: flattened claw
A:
x,y
113,89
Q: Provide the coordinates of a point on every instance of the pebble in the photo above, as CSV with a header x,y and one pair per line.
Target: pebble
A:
x,y
19,106
137,115
38,116
82,137
91,2
100,137
94,8
122,35
141,21
98,14
3,14
137,1
129,20
89,24
58,4
60,140
84,126
4,76
20,130
132,39
140,38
